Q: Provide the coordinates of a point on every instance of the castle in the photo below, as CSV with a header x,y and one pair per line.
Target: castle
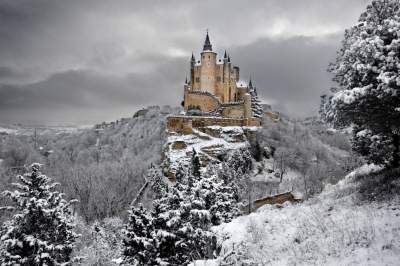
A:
x,y
214,94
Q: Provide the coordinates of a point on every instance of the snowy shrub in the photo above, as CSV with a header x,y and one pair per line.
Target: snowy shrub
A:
x,y
336,237
238,255
382,185
100,243
256,232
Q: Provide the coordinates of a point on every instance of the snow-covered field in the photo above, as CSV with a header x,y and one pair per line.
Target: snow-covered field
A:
x,y
331,229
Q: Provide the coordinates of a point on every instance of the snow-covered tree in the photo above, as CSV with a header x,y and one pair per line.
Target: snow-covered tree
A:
x,y
170,233
178,231
157,181
181,224
221,199
41,231
255,102
195,164
367,70
139,245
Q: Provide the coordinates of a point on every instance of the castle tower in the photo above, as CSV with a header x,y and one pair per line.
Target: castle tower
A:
x,y
192,63
208,67
226,79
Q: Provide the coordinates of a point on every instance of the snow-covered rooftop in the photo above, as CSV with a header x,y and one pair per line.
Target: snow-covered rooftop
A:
x,y
241,84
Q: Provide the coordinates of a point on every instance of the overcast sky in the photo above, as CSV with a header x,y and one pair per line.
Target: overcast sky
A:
x,y
86,61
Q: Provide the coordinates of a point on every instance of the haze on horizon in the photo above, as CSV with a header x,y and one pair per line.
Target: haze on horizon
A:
x,y
89,61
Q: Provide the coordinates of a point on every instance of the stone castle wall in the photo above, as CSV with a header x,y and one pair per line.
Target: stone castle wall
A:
x,y
180,124
206,102
234,111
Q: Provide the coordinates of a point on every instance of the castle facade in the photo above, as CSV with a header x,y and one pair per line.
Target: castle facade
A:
x,y
214,93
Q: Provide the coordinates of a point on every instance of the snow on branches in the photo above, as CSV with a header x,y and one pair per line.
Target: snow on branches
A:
x,y
367,70
40,233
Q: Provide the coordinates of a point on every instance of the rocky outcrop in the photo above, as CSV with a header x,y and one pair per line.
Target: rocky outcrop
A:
x,y
211,143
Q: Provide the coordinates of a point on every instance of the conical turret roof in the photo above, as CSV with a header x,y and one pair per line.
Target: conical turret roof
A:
x,y
207,44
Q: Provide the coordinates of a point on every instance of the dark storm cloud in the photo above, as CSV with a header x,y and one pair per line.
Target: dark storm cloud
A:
x,y
94,60
81,95
7,72
291,73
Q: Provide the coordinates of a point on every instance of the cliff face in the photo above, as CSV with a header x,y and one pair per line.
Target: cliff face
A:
x,y
211,143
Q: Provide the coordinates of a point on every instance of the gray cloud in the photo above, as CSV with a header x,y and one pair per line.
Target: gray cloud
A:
x,y
94,60
289,73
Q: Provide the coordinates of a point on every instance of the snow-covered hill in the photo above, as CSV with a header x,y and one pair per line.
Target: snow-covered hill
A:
x,y
333,228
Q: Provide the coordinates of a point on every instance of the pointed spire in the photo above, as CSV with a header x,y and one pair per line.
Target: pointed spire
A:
x,y
225,56
186,82
229,58
193,59
250,84
207,44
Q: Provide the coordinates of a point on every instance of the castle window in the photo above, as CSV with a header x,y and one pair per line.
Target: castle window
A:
x,y
208,57
218,78
197,79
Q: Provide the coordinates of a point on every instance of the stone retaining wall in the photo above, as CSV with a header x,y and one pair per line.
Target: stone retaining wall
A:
x,y
180,124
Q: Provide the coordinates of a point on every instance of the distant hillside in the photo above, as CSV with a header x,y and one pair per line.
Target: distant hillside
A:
x,y
102,167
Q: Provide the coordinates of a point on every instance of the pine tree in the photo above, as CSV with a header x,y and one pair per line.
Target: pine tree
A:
x,y
40,233
366,70
220,199
183,213
182,222
256,106
195,164
139,245
157,181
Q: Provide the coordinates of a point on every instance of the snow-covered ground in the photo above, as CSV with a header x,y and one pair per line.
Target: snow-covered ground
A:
x,y
204,144
8,130
330,229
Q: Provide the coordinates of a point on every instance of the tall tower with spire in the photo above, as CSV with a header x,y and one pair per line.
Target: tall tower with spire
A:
x,y
208,67
213,75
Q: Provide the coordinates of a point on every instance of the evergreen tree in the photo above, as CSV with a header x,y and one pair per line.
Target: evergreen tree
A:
x,y
366,70
220,199
181,225
182,221
139,245
40,233
195,164
183,213
256,106
157,181
163,229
